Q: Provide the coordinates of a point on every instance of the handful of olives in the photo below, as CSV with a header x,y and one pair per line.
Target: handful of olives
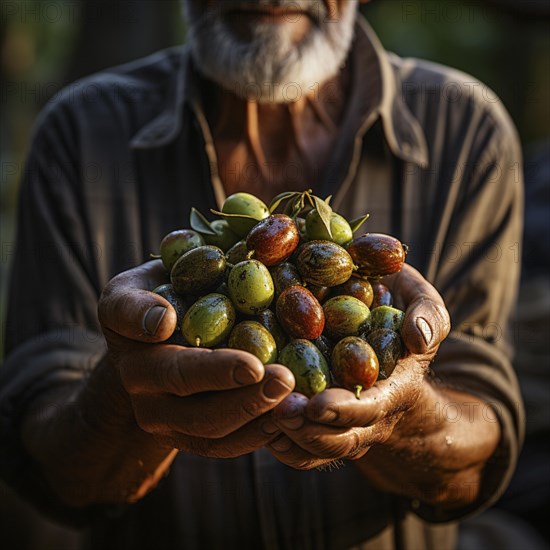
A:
x,y
294,287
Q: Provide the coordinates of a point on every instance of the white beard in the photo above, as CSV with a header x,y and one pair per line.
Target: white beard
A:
x,y
271,67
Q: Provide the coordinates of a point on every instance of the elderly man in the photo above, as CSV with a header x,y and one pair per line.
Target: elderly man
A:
x,y
160,445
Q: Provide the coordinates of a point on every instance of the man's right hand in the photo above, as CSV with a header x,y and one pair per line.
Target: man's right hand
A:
x,y
207,402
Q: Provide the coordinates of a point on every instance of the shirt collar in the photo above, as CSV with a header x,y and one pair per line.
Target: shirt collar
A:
x,y
373,72
382,87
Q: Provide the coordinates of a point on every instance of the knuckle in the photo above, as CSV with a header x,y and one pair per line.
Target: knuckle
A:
x,y
250,410
358,442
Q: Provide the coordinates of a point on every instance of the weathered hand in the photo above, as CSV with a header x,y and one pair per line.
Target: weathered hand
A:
x,y
334,424
207,402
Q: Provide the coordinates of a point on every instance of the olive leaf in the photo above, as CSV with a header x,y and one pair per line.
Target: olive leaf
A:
x,y
358,222
310,198
236,216
273,205
199,223
328,199
294,205
325,212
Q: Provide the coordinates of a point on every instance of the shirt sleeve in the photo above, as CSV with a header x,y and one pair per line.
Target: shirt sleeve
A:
x,y
478,278
52,333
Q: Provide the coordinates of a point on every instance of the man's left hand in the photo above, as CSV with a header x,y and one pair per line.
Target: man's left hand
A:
x,y
334,425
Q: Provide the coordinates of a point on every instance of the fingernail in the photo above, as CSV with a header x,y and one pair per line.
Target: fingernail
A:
x,y
244,376
274,389
425,329
269,427
282,444
152,319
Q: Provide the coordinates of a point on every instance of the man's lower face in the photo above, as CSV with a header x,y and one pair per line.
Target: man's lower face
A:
x,y
242,18
273,42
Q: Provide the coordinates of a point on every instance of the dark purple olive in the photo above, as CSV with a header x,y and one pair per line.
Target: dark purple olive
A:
x,y
388,347
381,295
269,320
322,293
284,275
178,303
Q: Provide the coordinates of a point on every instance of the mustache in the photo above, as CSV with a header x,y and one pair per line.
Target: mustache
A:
x,y
314,8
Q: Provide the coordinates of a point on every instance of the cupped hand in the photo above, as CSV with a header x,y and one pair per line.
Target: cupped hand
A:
x,y
334,425
207,402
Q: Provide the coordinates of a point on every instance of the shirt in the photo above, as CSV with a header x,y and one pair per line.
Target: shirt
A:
x,y
117,161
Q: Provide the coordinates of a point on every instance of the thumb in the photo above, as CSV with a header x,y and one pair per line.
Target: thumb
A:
x,y
425,326
127,309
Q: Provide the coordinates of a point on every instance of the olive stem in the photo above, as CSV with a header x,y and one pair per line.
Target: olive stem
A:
x,y
250,255
198,342
155,256
358,389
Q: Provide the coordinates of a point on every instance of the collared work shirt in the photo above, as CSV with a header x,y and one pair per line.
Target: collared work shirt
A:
x,y
118,160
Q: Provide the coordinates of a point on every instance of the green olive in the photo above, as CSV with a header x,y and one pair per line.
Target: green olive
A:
x,y
224,238
308,366
250,287
387,317
208,321
339,227
345,316
253,337
199,270
176,244
244,204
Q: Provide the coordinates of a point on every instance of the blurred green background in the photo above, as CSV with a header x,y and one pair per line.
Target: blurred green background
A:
x,y
48,44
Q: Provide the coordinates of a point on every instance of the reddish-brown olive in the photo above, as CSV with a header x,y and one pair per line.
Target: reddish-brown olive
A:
x,y
300,314
377,254
273,239
354,364
358,288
